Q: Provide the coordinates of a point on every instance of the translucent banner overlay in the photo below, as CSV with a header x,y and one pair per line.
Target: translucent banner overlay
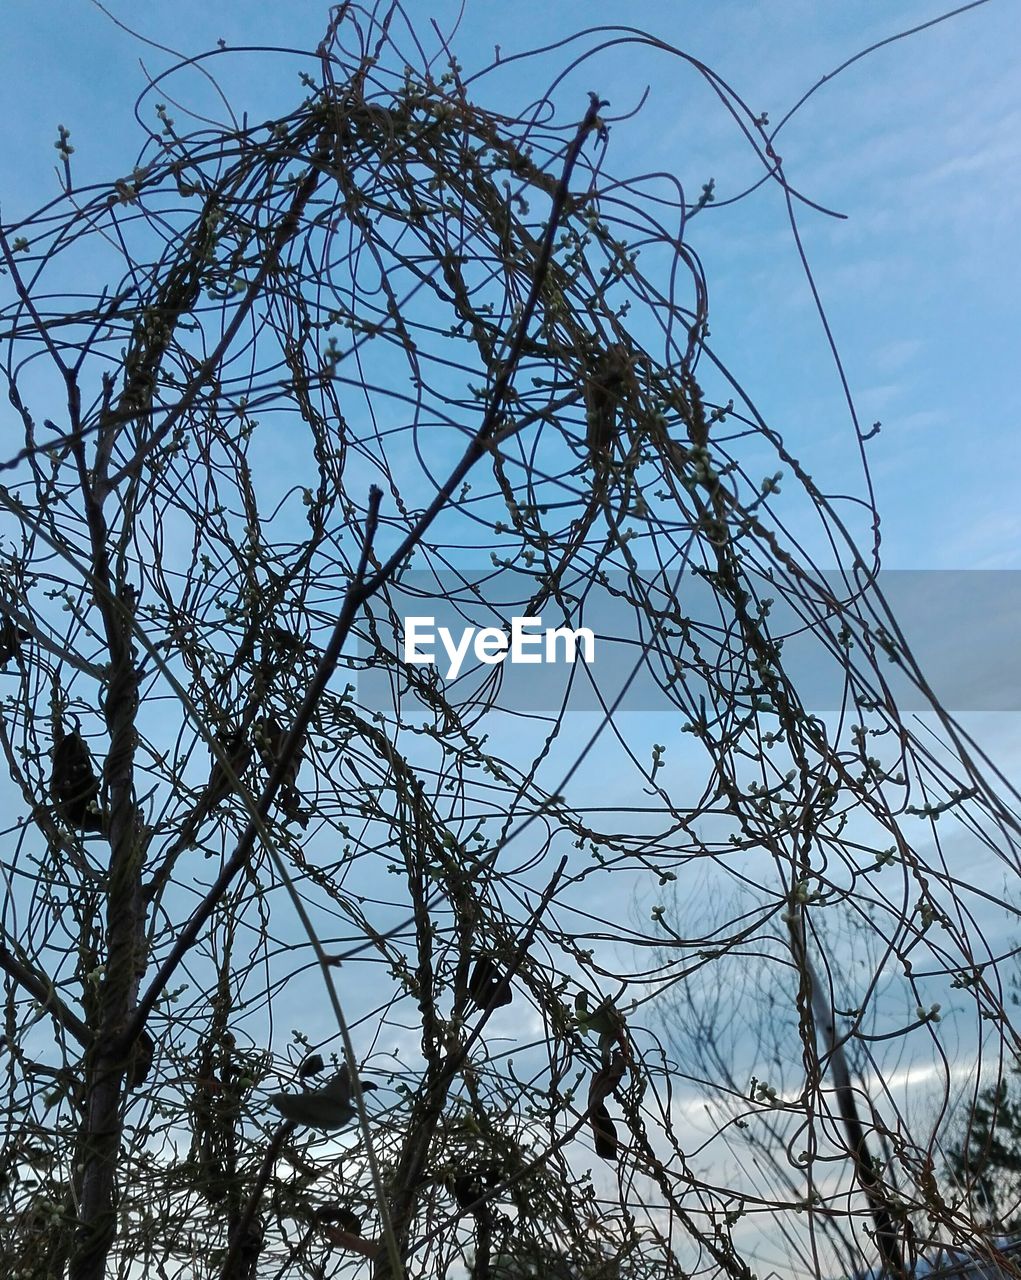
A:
x,y
961,627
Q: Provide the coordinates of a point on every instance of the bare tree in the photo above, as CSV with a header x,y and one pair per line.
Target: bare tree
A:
x,y
323,349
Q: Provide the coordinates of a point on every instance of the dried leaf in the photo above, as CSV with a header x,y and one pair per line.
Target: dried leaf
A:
x,y
270,736
239,753
606,1079
486,985
73,783
311,1066
328,1107
604,1132
602,1084
339,1215
10,642
473,1184
141,1060
608,386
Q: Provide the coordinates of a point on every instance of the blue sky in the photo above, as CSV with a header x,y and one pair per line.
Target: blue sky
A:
x,y
918,144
